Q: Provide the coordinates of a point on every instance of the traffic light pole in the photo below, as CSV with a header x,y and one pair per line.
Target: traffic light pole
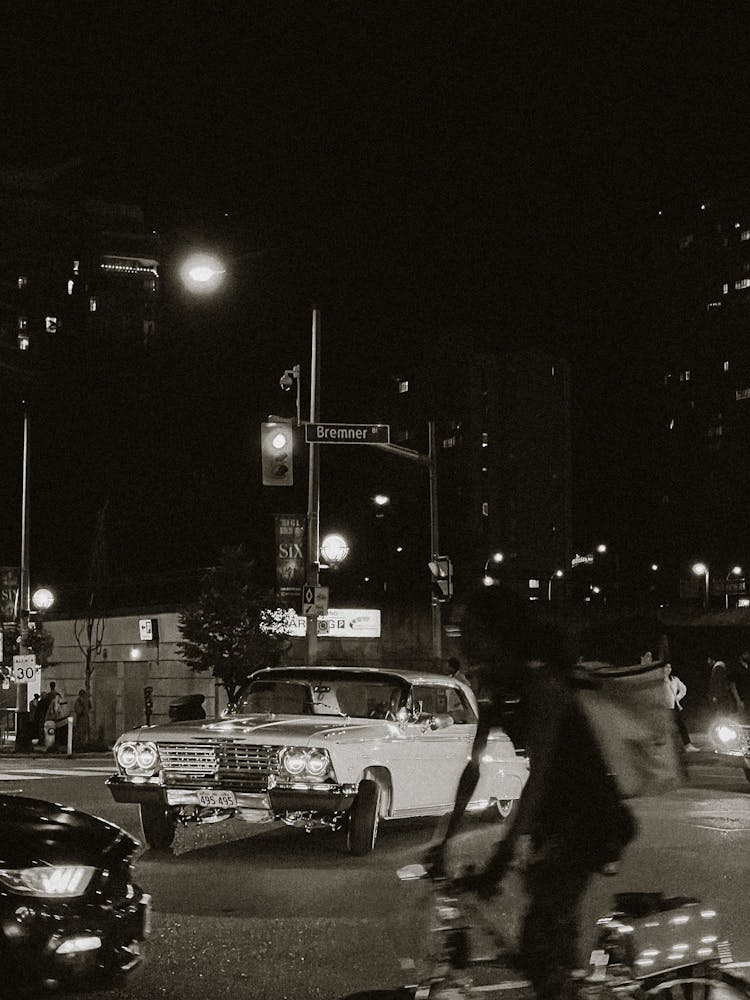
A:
x,y
428,461
312,562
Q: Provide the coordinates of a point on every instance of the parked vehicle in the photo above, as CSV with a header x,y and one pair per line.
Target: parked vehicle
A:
x,y
731,736
339,747
70,913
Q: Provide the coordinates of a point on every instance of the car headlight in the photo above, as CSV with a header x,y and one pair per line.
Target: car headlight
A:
x,y
725,733
137,756
297,761
56,881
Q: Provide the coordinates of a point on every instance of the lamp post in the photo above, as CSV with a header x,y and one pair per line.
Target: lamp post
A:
x,y
557,575
701,569
735,571
204,273
487,579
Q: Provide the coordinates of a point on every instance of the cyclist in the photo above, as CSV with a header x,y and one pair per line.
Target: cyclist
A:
x,y
570,809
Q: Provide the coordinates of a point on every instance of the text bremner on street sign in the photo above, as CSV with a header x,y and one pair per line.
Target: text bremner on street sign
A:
x,y
347,433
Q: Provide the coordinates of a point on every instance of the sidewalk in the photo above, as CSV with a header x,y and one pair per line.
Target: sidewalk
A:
x,y
8,749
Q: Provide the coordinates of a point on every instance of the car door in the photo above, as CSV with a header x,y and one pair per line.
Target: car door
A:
x,y
438,756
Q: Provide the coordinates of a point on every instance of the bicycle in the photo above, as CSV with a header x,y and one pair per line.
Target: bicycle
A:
x,y
649,947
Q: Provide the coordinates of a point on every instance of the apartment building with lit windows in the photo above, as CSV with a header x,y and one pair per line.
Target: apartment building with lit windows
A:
x,y
701,394
72,267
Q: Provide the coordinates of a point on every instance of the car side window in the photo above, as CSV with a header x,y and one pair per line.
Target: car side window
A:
x,y
439,700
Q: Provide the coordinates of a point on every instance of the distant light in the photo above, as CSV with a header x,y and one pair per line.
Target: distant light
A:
x,y
497,557
654,567
558,573
381,500
700,569
399,548
596,590
601,548
736,571
135,653
488,581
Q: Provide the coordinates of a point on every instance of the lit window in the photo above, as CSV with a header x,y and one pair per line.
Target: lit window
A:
x,y
22,322
713,305
725,288
449,442
671,424
685,376
92,304
726,366
745,234
553,371
667,378
403,386
23,341
484,468
50,324
485,439
703,207
533,584
71,284
22,282
736,225
485,509
742,283
76,266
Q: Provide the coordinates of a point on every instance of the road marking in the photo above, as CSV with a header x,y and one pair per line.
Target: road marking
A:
x,y
13,773
21,777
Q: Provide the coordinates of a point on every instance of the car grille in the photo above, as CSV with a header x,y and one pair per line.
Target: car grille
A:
x,y
239,764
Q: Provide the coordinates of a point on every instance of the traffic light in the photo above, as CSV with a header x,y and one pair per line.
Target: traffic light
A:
x,y
277,452
442,577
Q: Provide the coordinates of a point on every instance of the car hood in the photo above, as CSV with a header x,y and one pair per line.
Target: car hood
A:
x,y
33,831
273,730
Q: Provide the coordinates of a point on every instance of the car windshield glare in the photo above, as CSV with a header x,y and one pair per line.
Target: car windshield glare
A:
x,y
358,698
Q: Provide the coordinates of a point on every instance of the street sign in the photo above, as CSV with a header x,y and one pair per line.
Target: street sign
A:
x,y
340,623
347,433
26,670
314,600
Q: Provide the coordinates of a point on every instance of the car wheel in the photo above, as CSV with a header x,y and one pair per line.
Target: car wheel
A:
x,y
158,825
500,810
364,817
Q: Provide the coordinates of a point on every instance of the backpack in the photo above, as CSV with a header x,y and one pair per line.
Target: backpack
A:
x,y
628,714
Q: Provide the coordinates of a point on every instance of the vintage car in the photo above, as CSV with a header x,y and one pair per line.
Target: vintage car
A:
x,y
334,746
70,912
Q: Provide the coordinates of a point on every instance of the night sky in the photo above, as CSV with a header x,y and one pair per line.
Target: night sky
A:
x,y
412,167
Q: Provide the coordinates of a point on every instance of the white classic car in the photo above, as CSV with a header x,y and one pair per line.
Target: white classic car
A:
x,y
331,746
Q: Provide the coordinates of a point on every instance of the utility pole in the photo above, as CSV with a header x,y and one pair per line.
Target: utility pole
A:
x,y
428,461
312,562
23,736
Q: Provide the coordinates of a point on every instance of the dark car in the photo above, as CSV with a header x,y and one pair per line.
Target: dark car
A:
x,y
70,913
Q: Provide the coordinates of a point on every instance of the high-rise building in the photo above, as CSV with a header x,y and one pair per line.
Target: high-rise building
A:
x,y
702,383
504,465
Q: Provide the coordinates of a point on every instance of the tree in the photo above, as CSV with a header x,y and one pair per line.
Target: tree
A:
x,y
89,628
232,629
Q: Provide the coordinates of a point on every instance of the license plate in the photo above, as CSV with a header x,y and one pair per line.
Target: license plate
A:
x,y
211,799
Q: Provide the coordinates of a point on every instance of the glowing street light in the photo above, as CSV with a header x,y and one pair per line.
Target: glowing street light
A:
x,y
202,273
701,569
557,575
735,571
43,599
334,549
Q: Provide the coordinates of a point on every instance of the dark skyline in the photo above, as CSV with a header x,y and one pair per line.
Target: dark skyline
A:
x,y
415,168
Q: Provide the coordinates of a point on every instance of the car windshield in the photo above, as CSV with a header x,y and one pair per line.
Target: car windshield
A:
x,y
345,694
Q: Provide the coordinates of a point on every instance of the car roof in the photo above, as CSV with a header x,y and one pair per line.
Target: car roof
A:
x,y
410,676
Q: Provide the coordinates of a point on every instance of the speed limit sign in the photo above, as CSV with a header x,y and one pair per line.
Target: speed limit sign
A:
x,y
25,669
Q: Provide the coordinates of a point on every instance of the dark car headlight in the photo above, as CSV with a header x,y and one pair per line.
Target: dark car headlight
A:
x,y
49,881
137,757
299,762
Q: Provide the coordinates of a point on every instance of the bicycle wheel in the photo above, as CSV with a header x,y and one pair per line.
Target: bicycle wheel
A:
x,y
711,987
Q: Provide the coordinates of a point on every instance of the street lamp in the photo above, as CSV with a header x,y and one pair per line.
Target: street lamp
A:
x,y
43,599
557,575
701,569
334,548
487,579
202,273
734,571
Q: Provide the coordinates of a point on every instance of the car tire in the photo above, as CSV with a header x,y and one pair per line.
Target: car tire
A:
x,y
501,810
364,817
159,826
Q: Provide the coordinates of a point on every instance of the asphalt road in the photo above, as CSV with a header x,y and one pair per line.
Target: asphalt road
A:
x,y
275,914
